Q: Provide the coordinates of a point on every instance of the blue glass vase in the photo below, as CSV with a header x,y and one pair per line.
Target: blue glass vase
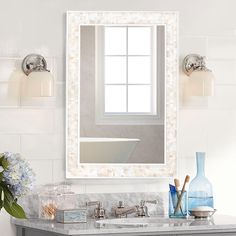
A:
x,y
200,189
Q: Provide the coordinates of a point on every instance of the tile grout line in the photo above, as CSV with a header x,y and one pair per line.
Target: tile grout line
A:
x,y
34,134
42,159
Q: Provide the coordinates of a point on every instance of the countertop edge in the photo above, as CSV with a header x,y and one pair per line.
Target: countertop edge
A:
x,y
90,229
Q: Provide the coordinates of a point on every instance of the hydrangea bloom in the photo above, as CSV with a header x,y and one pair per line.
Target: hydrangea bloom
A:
x,y
18,176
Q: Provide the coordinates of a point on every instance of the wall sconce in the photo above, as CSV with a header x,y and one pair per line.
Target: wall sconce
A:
x,y
201,79
40,82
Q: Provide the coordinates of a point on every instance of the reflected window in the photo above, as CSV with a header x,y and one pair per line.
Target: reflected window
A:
x,y
128,69
126,64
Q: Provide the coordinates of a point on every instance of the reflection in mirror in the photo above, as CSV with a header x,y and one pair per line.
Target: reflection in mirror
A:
x,y
122,89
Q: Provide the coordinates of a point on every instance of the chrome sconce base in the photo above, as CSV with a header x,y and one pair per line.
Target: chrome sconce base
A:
x,y
34,62
193,62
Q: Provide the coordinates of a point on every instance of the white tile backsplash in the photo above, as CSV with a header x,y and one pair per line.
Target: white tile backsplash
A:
x,y
58,170
221,48
193,130
26,121
10,143
191,44
59,121
43,170
43,146
224,97
224,71
221,134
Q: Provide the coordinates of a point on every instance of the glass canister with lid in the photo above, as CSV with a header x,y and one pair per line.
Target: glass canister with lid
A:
x,y
53,197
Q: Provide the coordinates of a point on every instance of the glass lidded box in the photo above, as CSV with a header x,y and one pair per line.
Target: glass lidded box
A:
x,y
53,197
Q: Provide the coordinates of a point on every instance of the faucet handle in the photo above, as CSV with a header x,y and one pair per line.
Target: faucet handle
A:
x,y
143,209
121,204
99,211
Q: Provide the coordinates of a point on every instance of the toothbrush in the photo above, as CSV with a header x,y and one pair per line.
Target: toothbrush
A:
x,y
177,184
187,178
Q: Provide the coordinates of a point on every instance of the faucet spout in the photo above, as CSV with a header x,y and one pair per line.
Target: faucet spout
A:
x,y
124,211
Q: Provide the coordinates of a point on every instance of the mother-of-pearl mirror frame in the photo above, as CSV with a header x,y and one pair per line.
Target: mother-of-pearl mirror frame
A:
x,y
74,20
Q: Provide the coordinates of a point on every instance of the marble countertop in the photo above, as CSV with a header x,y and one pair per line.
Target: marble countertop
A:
x,y
217,224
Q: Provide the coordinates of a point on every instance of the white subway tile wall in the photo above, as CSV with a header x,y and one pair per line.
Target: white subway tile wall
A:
x,y
208,124
10,142
43,146
35,127
29,125
43,170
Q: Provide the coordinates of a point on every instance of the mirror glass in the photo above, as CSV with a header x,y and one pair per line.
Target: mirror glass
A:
x,y
121,94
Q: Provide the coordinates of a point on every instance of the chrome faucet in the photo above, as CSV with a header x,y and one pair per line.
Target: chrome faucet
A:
x,y
140,210
122,211
143,209
99,211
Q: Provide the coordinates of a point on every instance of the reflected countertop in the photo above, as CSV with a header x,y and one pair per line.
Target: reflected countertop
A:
x,y
218,224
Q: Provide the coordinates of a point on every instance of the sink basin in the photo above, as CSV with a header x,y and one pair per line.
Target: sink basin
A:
x,y
152,221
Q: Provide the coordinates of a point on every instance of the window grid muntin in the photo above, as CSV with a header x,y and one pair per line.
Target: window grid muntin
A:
x,y
152,84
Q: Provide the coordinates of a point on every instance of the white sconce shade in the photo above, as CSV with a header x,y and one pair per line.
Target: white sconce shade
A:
x,y
201,83
39,82
201,80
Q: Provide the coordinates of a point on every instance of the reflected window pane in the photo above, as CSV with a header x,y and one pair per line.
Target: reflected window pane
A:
x,y
139,99
115,40
115,98
115,70
139,40
139,70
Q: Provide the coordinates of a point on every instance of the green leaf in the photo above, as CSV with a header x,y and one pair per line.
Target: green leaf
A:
x,y
1,159
7,193
14,210
5,164
1,176
9,203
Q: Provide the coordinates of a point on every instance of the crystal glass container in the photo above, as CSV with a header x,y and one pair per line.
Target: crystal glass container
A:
x,y
200,189
56,196
48,202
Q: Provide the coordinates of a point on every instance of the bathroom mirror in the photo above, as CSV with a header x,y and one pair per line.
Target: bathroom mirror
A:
x,y
121,94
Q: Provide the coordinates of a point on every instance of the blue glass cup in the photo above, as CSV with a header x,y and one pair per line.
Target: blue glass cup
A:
x,y
182,211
